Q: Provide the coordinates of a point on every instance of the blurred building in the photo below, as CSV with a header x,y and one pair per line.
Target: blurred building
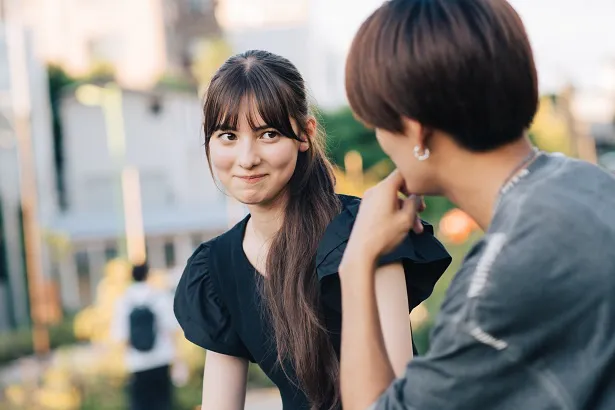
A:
x,y
595,108
142,40
313,34
181,204
13,289
604,135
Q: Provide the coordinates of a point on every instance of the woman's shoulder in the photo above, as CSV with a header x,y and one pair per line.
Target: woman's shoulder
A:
x,y
342,223
336,234
201,303
231,237
423,257
339,229
216,248
212,263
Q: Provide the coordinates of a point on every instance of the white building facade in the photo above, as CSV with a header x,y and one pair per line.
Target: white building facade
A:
x,y
181,204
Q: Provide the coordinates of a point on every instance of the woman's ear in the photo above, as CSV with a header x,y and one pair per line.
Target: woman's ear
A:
x,y
310,132
417,133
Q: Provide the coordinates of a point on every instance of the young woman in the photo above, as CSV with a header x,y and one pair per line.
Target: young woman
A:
x,y
528,321
267,291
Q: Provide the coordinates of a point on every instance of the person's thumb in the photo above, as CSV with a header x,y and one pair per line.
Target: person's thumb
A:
x,y
409,210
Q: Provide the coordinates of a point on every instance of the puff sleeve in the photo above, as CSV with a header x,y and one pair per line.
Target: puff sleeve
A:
x,y
423,257
200,310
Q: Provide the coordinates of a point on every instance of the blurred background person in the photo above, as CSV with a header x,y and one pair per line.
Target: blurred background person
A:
x,y
145,324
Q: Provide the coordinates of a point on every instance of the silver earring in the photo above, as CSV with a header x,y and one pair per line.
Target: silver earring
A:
x,y
421,156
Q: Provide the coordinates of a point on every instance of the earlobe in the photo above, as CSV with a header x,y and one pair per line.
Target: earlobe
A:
x,y
304,146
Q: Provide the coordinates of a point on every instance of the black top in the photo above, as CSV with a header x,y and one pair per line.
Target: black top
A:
x,y
218,303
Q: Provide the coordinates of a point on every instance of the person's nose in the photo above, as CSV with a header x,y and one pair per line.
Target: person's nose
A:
x,y
248,156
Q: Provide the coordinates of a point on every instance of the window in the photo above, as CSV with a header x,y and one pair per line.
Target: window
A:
x,y
110,252
197,6
4,270
169,254
82,260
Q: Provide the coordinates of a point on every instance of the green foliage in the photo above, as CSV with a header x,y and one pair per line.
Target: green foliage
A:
x,y
177,83
103,393
58,81
18,343
257,378
345,133
437,206
210,54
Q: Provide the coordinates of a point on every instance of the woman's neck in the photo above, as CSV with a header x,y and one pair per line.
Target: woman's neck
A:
x,y
473,181
266,219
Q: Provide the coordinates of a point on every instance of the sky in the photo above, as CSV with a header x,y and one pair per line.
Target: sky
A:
x,y
573,40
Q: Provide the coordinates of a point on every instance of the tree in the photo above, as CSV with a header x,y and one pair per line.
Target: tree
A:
x,y
345,133
550,130
58,80
209,55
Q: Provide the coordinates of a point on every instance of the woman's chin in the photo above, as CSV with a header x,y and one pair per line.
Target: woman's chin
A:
x,y
257,197
251,197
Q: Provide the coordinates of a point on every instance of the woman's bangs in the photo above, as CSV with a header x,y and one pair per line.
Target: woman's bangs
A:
x,y
270,100
222,106
267,99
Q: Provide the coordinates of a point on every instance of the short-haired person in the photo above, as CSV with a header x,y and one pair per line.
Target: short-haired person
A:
x,y
528,321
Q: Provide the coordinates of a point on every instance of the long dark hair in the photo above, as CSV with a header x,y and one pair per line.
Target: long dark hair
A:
x,y
276,89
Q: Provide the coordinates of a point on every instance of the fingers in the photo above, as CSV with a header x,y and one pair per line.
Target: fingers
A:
x,y
418,225
423,205
409,213
409,209
395,181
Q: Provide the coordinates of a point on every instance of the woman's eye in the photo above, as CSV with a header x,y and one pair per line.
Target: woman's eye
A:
x,y
268,135
227,137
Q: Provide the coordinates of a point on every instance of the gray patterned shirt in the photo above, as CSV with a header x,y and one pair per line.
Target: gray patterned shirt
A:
x,y
528,322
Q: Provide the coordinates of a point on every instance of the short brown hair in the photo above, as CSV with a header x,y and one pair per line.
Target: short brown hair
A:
x,y
464,67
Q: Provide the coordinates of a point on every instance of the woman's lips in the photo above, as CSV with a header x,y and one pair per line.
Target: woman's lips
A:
x,y
252,179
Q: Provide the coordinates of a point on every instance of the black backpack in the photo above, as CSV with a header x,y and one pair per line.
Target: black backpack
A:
x,y
142,328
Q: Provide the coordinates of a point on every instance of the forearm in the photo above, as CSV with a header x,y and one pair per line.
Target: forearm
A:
x,y
365,368
224,382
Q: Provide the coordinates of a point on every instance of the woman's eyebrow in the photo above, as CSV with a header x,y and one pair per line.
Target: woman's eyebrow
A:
x,y
262,127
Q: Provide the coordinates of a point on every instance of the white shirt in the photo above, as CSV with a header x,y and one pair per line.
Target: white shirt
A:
x,y
161,304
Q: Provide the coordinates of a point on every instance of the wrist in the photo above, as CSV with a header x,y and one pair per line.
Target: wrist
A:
x,y
357,259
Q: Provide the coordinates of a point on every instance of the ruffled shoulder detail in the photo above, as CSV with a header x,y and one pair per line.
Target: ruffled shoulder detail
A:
x,y
200,309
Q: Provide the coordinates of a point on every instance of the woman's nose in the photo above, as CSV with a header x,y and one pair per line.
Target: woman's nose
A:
x,y
248,157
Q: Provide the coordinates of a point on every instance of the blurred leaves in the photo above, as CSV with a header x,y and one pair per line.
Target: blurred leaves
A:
x,y
550,130
18,343
209,55
345,133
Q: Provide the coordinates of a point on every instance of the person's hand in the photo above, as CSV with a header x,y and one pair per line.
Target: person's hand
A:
x,y
384,219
